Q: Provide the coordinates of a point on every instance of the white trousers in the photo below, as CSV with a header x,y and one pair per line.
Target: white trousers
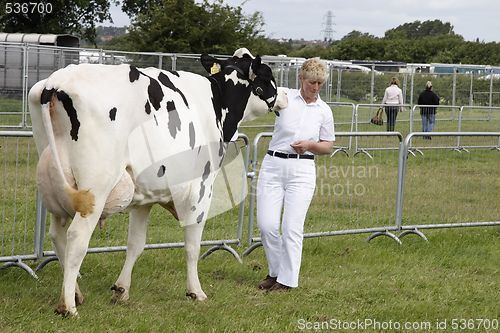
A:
x,y
284,185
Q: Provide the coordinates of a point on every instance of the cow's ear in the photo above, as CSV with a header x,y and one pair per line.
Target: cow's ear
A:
x,y
211,64
254,69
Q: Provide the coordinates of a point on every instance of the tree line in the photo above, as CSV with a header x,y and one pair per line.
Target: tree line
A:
x,y
189,26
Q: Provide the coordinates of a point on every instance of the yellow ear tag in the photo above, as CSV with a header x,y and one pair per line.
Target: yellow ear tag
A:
x,y
215,69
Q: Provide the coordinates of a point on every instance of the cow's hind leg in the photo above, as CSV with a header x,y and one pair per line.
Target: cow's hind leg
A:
x,y
58,236
192,240
138,224
78,237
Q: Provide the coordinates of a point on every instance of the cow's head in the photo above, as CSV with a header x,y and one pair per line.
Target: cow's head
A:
x,y
247,85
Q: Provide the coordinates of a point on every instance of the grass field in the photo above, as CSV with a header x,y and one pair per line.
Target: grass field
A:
x,y
452,277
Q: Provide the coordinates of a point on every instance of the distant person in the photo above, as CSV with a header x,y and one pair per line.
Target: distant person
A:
x,y
428,114
393,95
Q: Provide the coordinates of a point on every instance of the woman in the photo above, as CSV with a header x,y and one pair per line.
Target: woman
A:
x,y
287,177
393,95
428,114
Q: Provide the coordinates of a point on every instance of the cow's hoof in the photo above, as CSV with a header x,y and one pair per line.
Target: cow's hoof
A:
x,y
65,313
201,297
121,295
79,300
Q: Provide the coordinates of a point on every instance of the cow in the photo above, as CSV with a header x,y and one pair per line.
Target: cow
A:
x,y
118,139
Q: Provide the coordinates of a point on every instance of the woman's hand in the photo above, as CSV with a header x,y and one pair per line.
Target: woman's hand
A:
x,y
301,146
317,148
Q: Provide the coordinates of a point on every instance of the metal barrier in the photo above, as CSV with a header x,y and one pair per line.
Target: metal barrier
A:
x,y
20,235
353,195
445,188
448,119
387,193
392,191
24,64
24,217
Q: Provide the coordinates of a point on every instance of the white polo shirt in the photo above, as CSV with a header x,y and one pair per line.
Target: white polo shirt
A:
x,y
301,121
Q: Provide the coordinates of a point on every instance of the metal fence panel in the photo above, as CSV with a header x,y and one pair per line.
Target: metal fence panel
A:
x,y
452,187
22,226
354,193
19,196
22,65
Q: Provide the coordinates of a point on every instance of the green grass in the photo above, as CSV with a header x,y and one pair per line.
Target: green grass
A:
x,y
453,276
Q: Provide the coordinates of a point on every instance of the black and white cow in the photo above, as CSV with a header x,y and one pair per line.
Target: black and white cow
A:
x,y
115,139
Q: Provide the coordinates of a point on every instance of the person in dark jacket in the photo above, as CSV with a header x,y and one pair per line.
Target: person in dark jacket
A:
x,y
428,114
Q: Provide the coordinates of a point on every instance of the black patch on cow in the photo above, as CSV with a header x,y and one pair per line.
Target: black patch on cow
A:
x,y
161,171
112,114
217,99
170,106
46,95
206,173
133,74
199,219
174,73
193,208
71,111
222,153
165,80
156,120
192,135
147,107
236,99
155,93
174,122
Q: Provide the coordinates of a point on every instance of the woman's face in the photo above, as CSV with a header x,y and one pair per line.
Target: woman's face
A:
x,y
309,88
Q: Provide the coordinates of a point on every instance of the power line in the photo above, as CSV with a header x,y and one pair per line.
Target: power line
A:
x,y
328,30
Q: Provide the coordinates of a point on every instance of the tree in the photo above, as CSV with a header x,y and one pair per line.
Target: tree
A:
x,y
76,17
355,34
185,26
416,30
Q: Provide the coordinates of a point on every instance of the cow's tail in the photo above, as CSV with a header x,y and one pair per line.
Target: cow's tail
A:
x,y
82,201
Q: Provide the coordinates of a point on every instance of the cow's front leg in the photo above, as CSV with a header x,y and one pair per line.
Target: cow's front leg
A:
x,y
78,237
138,224
192,240
58,236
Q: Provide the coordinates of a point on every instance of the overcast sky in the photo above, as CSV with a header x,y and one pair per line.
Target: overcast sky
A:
x,y
307,19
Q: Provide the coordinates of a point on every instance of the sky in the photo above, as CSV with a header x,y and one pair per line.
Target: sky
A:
x,y
307,19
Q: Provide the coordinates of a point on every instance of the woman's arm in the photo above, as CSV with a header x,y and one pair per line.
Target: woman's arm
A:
x,y
317,148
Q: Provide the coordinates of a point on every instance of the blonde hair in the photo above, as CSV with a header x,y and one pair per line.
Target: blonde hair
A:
x,y
395,81
429,85
314,68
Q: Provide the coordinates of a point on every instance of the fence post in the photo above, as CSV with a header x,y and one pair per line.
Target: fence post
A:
x,y
491,90
244,177
402,160
25,86
40,223
339,83
454,92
